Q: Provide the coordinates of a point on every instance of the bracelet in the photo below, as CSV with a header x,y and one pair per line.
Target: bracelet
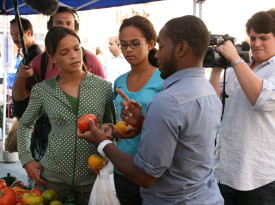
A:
x,y
102,145
139,123
239,60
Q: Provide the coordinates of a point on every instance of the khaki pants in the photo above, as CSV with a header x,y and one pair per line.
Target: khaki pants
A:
x,y
80,193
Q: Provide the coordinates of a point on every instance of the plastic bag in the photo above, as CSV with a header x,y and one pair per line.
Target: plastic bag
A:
x,y
11,141
102,193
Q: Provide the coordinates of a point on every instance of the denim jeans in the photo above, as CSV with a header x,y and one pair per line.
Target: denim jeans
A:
x,y
127,192
264,195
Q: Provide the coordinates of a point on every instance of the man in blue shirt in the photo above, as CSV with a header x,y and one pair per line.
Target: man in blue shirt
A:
x,y
174,163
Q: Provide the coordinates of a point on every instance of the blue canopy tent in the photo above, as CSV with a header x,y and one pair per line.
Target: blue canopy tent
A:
x,y
79,5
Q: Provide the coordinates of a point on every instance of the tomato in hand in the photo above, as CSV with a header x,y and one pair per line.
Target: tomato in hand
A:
x,y
3,184
83,122
122,126
7,196
96,161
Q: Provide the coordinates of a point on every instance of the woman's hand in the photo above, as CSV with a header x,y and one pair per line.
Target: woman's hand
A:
x,y
32,171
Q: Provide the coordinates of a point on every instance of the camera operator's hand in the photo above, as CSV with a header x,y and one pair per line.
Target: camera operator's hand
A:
x,y
19,90
25,71
229,51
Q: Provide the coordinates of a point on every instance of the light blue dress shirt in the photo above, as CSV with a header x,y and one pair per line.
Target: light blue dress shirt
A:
x,y
177,142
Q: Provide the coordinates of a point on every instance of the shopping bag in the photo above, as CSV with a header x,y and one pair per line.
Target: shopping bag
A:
x,y
102,193
11,141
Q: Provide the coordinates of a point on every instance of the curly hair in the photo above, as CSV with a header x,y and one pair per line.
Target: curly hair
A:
x,y
148,31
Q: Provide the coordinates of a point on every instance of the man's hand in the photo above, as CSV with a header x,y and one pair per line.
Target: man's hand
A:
x,y
96,135
32,171
129,134
131,112
25,71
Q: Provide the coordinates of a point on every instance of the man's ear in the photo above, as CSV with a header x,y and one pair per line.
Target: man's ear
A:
x,y
182,48
28,33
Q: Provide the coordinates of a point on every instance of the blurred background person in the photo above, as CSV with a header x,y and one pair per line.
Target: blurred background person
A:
x,y
115,64
100,55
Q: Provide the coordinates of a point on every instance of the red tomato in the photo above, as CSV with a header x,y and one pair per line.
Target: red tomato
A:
x,y
7,196
19,192
32,198
83,123
36,191
3,184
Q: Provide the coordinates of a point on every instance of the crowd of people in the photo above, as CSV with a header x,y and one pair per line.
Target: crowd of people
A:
x,y
181,149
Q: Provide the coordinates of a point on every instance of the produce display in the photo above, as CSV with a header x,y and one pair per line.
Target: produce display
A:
x,y
17,194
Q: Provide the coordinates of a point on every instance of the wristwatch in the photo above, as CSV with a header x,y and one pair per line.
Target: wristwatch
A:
x,y
239,60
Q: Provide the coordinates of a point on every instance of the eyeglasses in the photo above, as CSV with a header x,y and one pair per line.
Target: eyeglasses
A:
x,y
134,45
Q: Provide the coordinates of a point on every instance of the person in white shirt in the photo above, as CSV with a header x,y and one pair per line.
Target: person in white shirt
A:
x,y
115,64
245,148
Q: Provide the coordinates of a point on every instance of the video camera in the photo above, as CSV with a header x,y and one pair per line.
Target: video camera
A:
x,y
213,58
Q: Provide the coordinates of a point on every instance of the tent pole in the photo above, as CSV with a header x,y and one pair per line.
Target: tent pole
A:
x,y
4,92
194,7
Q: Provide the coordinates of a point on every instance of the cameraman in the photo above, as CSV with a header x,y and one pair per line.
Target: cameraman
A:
x,y
245,150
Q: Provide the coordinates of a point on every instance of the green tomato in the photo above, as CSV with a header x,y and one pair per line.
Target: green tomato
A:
x,y
49,195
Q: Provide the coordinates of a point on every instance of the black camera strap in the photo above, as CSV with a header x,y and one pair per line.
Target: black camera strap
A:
x,y
224,95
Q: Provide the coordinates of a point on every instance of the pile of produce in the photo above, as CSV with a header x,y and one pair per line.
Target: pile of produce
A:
x,y
17,194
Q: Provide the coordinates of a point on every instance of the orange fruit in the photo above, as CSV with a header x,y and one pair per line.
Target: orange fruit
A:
x,y
96,161
122,126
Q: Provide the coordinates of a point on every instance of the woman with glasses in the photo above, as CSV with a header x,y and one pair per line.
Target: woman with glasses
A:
x,y
137,41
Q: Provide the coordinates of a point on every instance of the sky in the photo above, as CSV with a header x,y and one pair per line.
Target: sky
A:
x,y
221,17
230,16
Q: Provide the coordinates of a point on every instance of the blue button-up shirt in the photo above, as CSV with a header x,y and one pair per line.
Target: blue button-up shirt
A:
x,y
177,141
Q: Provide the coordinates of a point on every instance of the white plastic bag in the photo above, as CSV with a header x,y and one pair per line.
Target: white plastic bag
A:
x,y
102,193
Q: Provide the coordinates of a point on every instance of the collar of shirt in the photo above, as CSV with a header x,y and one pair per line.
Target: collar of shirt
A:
x,y
120,56
183,73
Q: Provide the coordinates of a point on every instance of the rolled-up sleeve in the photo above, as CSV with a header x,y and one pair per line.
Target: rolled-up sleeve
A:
x,y
266,100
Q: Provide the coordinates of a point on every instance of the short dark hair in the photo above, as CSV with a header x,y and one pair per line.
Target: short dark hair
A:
x,y
26,24
62,9
55,35
148,31
190,29
262,22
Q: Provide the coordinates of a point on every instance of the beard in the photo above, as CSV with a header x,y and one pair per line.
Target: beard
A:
x,y
168,67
